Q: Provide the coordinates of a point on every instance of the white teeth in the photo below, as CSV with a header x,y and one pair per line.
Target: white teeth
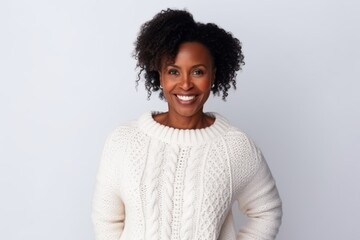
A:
x,y
185,98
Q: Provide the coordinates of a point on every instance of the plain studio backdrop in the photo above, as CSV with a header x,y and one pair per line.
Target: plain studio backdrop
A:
x,y
68,78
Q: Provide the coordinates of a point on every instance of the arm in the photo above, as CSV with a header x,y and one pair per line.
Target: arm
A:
x,y
261,203
108,213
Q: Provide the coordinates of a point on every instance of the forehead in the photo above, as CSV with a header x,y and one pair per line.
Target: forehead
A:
x,y
190,53
193,50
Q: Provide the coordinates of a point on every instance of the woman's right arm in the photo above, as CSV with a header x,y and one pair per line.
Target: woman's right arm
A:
x,y
108,212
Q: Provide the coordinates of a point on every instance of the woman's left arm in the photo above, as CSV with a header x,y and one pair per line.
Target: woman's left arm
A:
x,y
261,203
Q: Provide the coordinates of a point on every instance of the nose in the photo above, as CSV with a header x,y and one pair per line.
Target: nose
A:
x,y
186,82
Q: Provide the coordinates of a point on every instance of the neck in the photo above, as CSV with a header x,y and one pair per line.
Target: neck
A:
x,y
198,121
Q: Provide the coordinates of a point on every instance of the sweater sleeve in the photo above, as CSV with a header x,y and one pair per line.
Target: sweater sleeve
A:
x,y
261,203
108,214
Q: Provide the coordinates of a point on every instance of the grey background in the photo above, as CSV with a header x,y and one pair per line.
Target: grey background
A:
x,y
67,79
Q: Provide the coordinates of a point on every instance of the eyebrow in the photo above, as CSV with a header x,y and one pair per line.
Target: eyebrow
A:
x,y
176,66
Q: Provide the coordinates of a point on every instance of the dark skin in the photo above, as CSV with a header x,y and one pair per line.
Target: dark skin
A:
x,y
186,84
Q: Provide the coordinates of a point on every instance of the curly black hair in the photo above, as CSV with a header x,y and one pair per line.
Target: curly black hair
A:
x,y
161,36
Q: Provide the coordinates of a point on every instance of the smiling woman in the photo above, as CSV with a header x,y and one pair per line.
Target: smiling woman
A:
x,y
176,174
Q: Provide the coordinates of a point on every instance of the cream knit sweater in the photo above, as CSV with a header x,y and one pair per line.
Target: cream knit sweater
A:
x,y
159,183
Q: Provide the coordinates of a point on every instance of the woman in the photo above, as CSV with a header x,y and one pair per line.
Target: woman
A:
x,y
176,174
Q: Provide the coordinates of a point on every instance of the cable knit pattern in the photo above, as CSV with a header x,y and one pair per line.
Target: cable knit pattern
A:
x,y
159,183
168,190
191,185
150,185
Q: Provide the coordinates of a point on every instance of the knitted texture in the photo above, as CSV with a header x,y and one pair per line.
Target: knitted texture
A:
x,y
159,183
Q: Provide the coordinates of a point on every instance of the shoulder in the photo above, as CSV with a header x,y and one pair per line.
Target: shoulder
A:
x,y
245,157
242,149
236,138
120,132
241,143
120,136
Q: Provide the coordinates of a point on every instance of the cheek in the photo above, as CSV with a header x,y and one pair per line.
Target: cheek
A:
x,y
167,85
205,85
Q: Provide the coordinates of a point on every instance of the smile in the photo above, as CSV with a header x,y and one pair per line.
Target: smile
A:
x,y
185,97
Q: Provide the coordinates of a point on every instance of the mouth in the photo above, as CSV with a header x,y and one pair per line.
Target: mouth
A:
x,y
186,98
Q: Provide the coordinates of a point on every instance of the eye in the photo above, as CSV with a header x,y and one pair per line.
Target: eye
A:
x,y
198,72
173,71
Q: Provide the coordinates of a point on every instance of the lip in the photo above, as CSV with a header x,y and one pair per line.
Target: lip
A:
x,y
186,101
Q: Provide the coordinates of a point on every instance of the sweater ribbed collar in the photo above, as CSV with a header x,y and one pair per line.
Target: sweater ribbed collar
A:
x,y
186,137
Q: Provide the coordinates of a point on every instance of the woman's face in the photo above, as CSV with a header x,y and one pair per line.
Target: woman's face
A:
x,y
187,81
